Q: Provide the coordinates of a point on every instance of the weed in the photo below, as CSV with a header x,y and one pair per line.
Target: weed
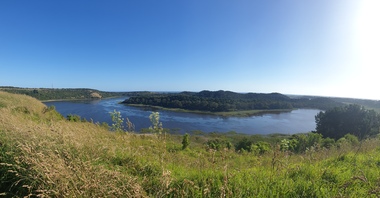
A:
x,y
117,121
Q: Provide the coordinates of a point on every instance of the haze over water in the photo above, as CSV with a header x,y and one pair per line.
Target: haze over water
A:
x,y
297,121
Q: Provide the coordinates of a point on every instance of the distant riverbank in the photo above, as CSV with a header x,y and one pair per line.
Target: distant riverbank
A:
x,y
80,99
245,113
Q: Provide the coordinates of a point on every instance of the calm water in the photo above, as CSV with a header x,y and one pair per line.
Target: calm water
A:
x,y
297,121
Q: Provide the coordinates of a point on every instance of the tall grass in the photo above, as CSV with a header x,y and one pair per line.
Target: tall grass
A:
x,y
42,154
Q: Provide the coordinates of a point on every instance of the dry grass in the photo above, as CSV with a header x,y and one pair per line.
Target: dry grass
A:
x,y
59,157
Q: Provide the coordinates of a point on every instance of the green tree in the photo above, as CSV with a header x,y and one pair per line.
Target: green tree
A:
x,y
350,119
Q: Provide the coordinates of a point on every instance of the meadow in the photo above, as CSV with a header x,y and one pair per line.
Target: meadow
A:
x,y
42,154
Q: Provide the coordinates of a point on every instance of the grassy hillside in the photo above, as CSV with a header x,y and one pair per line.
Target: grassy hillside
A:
x,y
43,154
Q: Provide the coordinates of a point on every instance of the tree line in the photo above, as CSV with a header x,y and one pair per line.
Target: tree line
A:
x,y
223,101
65,94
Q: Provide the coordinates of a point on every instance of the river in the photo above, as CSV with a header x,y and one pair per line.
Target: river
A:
x,y
296,121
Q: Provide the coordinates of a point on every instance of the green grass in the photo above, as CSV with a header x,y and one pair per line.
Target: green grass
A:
x,y
43,154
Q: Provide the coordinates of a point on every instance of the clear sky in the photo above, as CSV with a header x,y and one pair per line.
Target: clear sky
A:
x,y
311,47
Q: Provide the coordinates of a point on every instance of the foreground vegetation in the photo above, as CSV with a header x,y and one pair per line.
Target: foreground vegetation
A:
x,y
44,154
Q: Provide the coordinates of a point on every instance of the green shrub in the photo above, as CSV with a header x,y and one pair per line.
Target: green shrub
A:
x,y
244,144
348,139
328,142
284,145
352,139
260,147
304,141
218,144
172,147
185,141
229,145
73,118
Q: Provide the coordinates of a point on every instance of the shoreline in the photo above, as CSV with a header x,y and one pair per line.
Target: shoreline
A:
x,y
243,113
77,99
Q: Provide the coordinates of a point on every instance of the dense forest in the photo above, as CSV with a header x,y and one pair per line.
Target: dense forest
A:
x,y
223,101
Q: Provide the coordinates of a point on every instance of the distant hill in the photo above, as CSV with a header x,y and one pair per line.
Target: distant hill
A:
x,y
225,101
62,94
367,103
233,95
370,104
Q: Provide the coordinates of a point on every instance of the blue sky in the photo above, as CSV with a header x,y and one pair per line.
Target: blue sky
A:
x,y
324,47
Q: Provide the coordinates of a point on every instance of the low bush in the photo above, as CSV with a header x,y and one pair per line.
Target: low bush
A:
x,y
185,141
218,144
73,118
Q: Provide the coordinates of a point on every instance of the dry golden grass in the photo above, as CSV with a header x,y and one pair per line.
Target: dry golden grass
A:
x,y
61,156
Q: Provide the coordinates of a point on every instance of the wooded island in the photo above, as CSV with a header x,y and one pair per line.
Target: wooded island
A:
x,y
227,101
